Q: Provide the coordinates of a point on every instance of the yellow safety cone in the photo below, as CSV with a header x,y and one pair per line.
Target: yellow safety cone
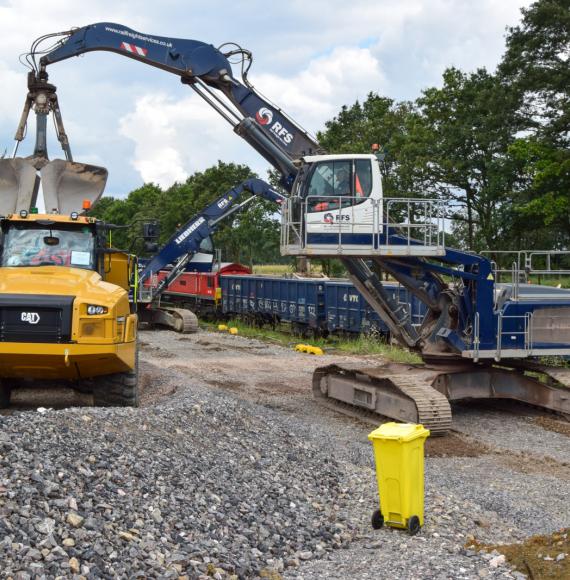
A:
x,y
315,350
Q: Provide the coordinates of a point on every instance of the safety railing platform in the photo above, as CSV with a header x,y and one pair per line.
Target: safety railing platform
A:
x,y
518,266
543,332
353,226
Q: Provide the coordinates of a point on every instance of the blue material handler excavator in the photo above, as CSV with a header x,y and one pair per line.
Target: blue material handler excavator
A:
x,y
479,339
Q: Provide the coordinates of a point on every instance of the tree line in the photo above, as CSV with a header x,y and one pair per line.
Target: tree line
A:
x,y
495,146
250,236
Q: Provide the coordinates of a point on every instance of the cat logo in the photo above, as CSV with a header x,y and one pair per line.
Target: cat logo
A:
x,y
30,317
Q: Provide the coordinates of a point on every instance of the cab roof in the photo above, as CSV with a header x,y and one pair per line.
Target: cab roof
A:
x,y
340,156
55,217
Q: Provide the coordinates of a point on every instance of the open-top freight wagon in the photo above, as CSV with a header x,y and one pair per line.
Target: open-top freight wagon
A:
x,y
311,306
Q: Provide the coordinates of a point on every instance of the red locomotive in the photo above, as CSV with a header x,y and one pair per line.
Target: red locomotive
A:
x,y
200,291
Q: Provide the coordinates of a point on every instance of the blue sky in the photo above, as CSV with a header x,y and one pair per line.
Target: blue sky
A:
x,y
310,58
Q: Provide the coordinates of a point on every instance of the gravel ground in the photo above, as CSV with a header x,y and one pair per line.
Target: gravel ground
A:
x,y
231,469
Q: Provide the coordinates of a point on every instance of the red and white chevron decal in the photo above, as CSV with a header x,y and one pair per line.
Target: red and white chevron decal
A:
x,y
134,49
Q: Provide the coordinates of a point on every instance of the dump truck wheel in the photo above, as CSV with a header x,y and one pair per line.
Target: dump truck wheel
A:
x,y
118,390
5,394
377,520
413,525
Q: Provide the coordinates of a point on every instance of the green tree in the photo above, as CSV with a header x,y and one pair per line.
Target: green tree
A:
x,y
468,126
140,204
392,126
540,216
451,144
537,65
251,235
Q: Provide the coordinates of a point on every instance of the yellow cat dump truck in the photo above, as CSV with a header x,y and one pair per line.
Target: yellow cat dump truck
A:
x,y
65,314
64,308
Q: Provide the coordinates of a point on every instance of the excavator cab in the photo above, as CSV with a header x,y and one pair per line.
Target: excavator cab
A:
x,y
337,207
340,194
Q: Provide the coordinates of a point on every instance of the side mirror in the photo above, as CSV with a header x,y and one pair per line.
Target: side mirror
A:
x,y
150,247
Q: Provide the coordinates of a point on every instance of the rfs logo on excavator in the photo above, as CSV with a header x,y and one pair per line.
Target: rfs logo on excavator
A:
x,y
31,317
264,116
223,203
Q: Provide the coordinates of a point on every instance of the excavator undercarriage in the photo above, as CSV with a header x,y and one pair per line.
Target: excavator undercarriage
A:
x,y
178,319
423,393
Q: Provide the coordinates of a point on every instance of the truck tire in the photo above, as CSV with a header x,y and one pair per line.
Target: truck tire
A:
x,y
117,390
5,394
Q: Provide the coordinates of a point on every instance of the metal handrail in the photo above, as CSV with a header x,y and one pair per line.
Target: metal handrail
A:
x,y
524,261
526,332
429,231
476,340
437,213
516,280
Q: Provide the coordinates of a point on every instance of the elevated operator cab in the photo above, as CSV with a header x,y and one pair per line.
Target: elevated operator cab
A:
x,y
337,207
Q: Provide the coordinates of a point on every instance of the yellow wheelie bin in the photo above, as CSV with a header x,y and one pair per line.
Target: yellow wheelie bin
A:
x,y
399,456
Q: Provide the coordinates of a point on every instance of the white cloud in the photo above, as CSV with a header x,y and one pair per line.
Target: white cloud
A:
x,y
11,95
174,138
310,58
316,93
440,34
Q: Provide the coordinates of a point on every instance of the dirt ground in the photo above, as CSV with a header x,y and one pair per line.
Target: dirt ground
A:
x,y
280,379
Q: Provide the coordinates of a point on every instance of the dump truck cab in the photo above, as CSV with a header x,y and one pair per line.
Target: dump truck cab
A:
x,y
65,314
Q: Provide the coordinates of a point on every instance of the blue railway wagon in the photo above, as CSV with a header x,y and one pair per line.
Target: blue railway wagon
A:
x,y
300,302
348,311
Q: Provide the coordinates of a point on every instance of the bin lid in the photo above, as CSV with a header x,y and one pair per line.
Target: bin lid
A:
x,y
399,431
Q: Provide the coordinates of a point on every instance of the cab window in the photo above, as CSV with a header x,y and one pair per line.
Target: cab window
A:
x,y
33,244
333,184
207,246
331,178
362,178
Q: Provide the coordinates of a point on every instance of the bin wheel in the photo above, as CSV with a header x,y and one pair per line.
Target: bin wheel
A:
x,y
377,520
413,525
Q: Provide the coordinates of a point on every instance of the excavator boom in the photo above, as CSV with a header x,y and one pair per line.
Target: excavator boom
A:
x,y
203,67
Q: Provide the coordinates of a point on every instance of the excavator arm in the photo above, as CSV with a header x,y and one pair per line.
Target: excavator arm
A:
x,y
185,242
207,70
